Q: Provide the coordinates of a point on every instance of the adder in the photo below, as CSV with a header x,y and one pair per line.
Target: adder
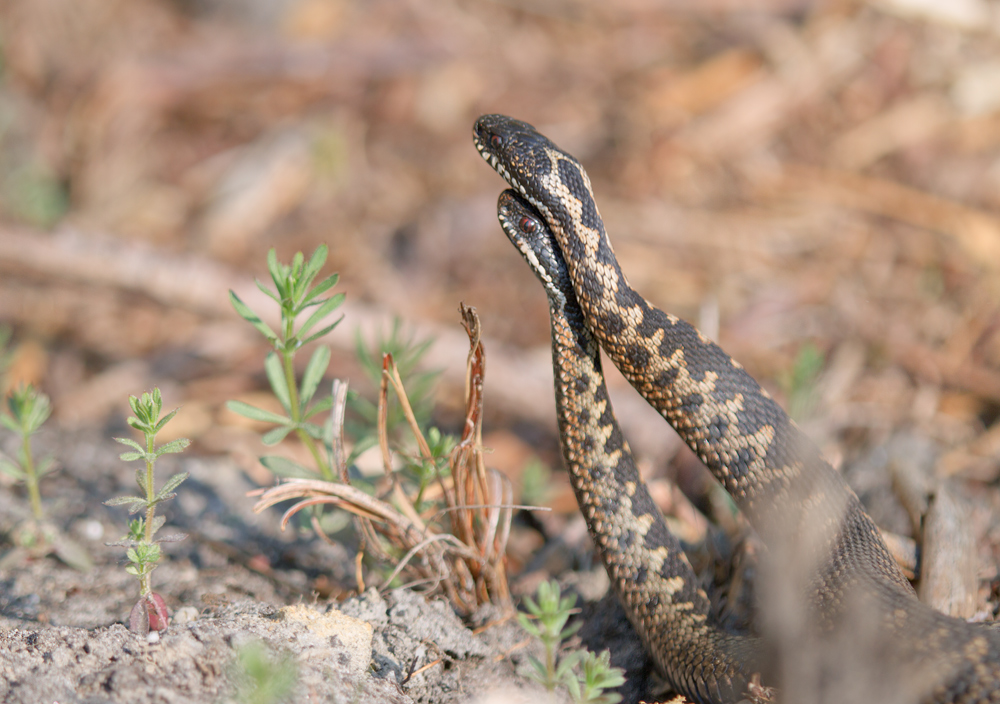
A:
x,y
847,578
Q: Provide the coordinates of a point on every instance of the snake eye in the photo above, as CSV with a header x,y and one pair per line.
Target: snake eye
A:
x,y
496,140
527,225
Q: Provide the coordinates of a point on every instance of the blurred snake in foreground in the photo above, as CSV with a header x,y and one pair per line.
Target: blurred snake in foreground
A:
x,y
795,500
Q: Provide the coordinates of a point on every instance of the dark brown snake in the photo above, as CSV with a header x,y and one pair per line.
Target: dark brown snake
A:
x,y
790,494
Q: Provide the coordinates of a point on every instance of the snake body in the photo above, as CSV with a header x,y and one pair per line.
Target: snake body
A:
x,y
652,576
778,478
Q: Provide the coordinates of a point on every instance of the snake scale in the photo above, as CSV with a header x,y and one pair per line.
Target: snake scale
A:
x,y
778,478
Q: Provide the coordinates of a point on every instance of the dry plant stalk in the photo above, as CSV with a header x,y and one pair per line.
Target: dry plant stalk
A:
x,y
466,558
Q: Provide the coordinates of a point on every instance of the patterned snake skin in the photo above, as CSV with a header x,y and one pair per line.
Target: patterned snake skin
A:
x,y
794,499
652,577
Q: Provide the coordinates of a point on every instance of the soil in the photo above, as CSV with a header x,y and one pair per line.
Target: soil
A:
x,y
64,635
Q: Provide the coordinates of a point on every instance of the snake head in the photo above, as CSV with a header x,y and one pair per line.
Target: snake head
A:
x,y
549,178
514,149
527,231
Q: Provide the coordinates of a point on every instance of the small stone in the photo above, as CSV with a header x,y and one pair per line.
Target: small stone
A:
x,y
339,631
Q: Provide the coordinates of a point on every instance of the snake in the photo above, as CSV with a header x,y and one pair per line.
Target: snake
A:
x,y
848,580
649,572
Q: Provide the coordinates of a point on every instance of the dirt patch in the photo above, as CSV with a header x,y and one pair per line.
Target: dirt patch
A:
x,y
61,632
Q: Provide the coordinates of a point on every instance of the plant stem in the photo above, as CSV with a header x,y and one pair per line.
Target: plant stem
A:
x,y
31,480
144,585
293,401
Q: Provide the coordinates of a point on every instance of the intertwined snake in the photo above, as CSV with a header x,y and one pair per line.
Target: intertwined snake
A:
x,y
849,583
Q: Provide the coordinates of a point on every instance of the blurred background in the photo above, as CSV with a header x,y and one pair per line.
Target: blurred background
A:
x,y
815,184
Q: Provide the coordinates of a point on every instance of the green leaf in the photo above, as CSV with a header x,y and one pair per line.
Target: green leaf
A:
x,y
313,374
131,456
131,443
315,263
254,413
324,404
312,430
573,686
122,500
134,503
174,482
273,437
11,470
173,446
276,376
248,315
322,332
140,479
528,625
164,420
267,292
540,674
279,273
324,309
284,467
321,288
10,424
44,466
158,522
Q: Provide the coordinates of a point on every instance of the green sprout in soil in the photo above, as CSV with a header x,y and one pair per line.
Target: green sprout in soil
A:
x,y
149,612
294,293
27,409
801,382
583,674
261,677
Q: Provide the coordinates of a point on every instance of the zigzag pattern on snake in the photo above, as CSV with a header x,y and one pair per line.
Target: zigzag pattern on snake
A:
x,y
648,569
775,474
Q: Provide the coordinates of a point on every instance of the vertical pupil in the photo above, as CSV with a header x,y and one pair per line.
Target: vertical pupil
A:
x,y
527,225
495,140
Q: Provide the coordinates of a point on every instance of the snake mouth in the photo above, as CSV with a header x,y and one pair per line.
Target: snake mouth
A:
x,y
497,165
493,160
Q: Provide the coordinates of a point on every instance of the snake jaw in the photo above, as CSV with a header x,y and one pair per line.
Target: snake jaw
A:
x,y
514,149
537,245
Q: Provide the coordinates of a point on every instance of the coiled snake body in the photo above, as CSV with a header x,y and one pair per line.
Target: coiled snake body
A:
x,y
790,494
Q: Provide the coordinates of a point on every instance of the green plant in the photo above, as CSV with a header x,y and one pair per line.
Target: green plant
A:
x,y
583,674
406,352
594,676
260,677
33,193
801,381
149,612
27,409
6,354
460,545
294,292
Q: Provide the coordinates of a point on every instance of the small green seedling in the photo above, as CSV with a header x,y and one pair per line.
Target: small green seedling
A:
x,y
800,383
594,676
295,294
261,677
149,612
27,409
583,674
